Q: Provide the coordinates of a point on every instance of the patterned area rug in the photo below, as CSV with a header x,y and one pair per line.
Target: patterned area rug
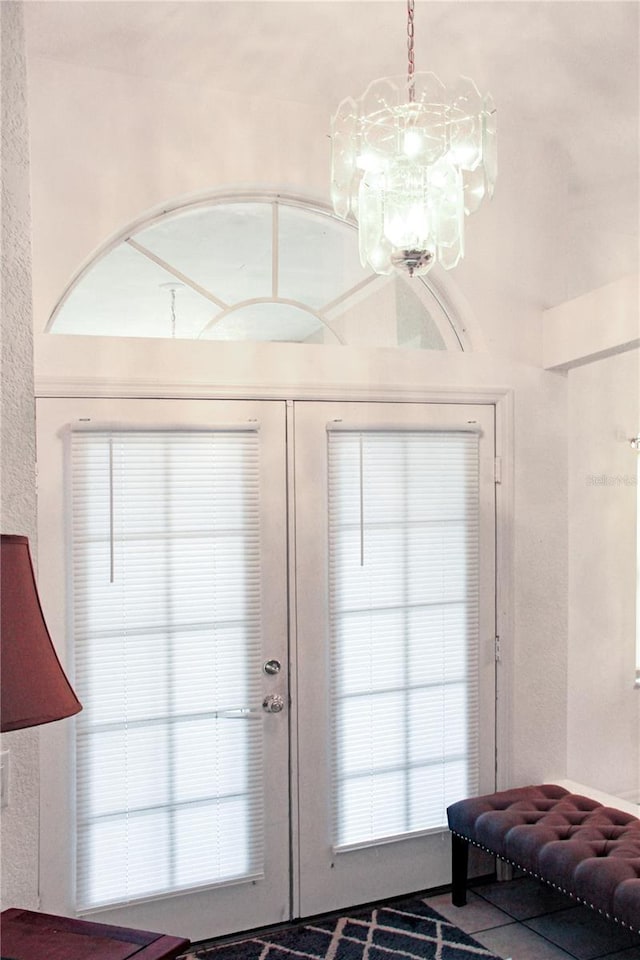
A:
x,y
403,930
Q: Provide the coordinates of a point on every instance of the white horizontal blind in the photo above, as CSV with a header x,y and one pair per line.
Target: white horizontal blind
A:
x,y
166,625
403,532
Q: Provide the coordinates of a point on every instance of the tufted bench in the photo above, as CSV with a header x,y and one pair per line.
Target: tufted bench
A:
x,y
587,850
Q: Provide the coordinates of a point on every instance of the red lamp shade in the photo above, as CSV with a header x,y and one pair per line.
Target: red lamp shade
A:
x,y
35,689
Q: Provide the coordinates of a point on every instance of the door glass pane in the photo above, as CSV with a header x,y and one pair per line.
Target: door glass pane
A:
x,y
403,581
166,624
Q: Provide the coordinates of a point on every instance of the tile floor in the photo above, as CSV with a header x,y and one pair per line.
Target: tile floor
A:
x,y
524,920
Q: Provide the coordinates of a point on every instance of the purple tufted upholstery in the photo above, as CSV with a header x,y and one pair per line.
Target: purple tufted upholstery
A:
x,y
589,851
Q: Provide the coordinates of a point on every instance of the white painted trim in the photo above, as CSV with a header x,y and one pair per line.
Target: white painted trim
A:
x,y
294,761
596,325
155,389
505,617
608,799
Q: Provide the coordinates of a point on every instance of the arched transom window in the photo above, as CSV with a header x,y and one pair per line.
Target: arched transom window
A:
x,y
250,268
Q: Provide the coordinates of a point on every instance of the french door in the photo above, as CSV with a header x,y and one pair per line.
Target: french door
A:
x,y
395,615
280,622
163,559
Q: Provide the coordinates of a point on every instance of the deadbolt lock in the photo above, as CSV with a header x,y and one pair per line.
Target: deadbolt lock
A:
x,y
271,667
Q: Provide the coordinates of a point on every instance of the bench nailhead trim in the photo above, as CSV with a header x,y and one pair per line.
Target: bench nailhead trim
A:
x,y
549,883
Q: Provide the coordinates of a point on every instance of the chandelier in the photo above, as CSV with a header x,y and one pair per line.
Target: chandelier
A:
x,y
409,159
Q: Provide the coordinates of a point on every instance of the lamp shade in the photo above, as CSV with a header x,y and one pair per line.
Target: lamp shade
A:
x,y
35,689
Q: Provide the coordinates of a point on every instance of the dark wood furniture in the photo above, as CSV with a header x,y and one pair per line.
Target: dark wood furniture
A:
x,y
25,935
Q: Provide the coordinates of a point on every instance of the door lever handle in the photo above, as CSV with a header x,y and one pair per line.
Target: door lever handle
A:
x,y
240,713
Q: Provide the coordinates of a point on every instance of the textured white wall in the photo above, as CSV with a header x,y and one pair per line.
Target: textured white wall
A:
x,y
603,706
17,436
107,148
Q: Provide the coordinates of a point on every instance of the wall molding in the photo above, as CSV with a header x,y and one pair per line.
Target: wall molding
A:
x,y
599,324
154,389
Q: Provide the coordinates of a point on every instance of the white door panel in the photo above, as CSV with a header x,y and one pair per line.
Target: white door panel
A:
x,y
168,574
371,849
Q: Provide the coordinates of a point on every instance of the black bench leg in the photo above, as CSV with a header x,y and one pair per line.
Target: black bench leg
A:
x,y
459,862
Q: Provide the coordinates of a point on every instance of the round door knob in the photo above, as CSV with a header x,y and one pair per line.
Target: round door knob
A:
x,y
273,703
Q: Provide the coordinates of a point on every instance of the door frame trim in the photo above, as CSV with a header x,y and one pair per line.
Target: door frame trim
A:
x,y
294,756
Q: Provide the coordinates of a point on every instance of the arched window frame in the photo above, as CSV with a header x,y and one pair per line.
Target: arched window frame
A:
x,y
433,292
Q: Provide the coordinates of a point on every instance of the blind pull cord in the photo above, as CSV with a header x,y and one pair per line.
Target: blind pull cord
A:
x,y
111,543
361,501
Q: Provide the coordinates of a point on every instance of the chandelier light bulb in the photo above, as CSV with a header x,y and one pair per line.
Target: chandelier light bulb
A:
x,y
410,158
413,143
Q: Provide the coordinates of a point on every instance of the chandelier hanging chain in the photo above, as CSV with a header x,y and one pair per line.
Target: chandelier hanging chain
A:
x,y
172,287
411,65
